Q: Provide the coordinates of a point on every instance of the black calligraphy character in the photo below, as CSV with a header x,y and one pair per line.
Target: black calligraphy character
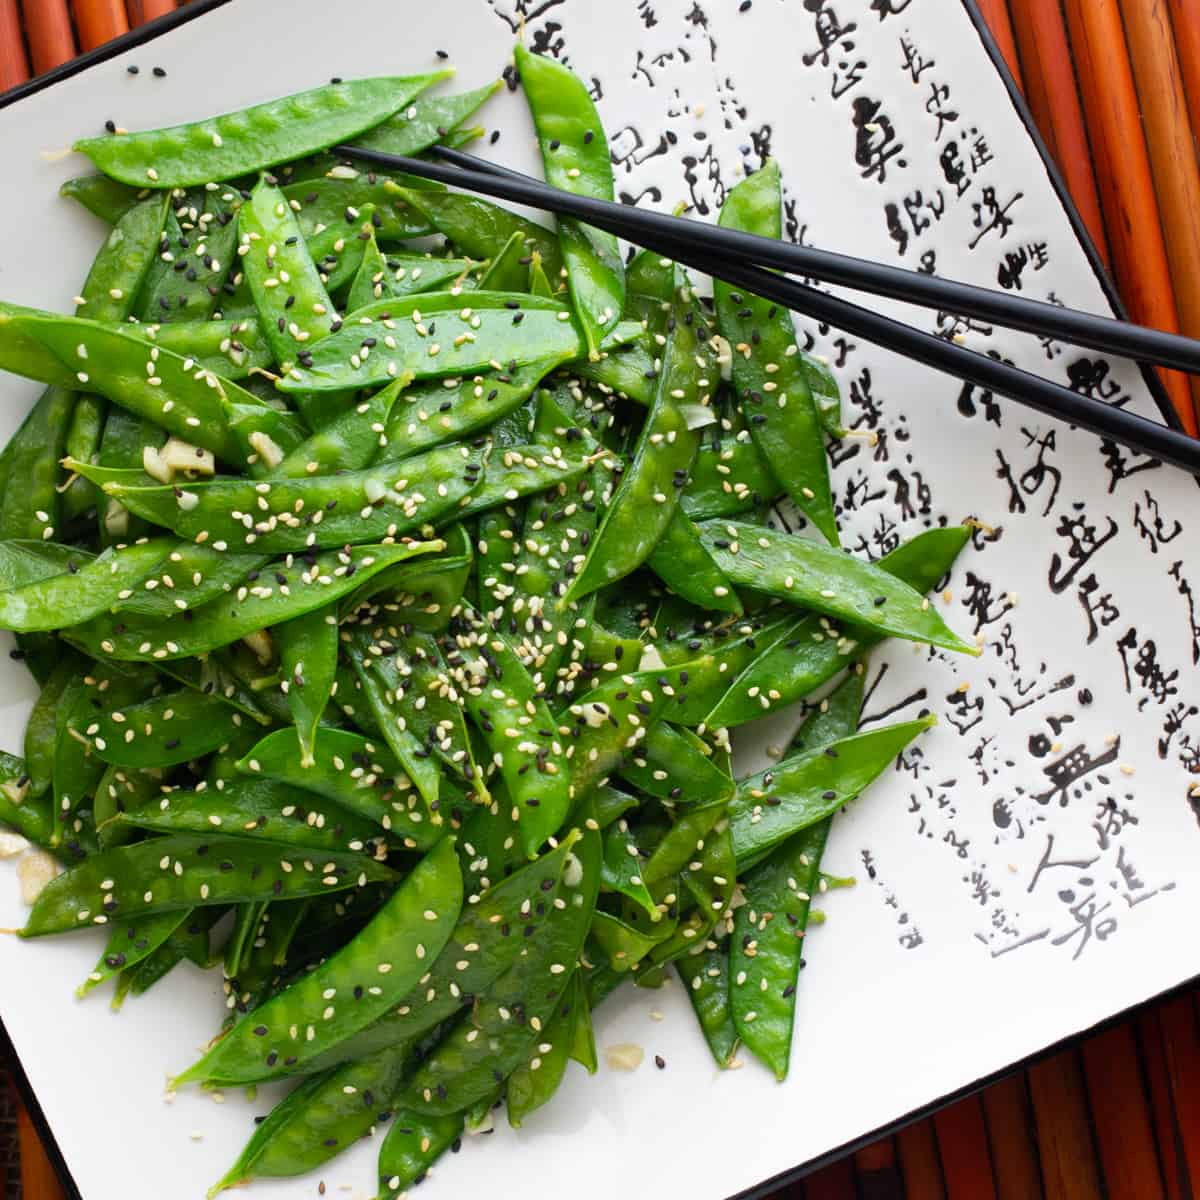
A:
x,y
991,215
953,170
627,149
863,399
1047,865
525,12
981,153
970,393
1085,544
904,492
1076,765
847,76
1184,588
1087,924
1016,502
649,20
980,605
1100,610
967,711
1093,377
876,143
1158,684
895,228
831,33
936,106
889,8
1177,716
547,40
1110,819
1154,529
712,173
1008,274
1033,477
1122,466
844,348
914,61
981,888
928,264
921,212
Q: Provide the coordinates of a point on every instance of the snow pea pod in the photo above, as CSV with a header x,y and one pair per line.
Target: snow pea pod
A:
x,y
680,560
234,615
827,581
83,442
354,772
263,961
189,576
129,943
705,974
496,925
508,270
246,920
213,675
31,816
195,256
575,158
122,790
105,198
183,871
621,866
260,809
728,477
806,788
116,275
648,495
350,990
674,764
335,209
308,651
160,732
322,1117
768,930
40,729
811,650
290,514
190,942
478,227
629,371
504,703
351,441
426,121
435,411
231,348
24,561
293,306
379,276
32,503
147,380
534,1083
384,685
606,723
489,1042
413,1144
78,595
434,334
771,380
241,142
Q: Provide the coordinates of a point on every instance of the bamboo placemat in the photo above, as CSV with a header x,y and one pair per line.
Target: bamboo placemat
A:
x,y
1114,86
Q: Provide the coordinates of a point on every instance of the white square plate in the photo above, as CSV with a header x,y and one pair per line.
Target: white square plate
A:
x,y
1028,870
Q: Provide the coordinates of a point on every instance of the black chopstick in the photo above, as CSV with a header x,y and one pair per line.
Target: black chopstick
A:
x,y
1106,420
1001,308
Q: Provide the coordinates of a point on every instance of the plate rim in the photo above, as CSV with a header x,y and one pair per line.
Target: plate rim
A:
x,y
759,1191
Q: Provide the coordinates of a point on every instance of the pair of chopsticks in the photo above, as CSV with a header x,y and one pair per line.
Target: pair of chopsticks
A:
x,y
742,259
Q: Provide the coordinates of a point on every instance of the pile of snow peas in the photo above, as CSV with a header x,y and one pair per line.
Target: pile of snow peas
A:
x,y
393,570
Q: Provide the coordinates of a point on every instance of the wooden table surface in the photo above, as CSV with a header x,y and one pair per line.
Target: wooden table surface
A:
x,y
1114,86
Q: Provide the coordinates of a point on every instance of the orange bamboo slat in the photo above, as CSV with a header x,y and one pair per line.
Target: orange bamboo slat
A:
x,y
1068,1155
1126,186
156,8
1121,1115
48,29
1162,1107
878,1174
38,1180
98,21
1159,79
1185,17
920,1168
1054,98
14,66
995,12
963,1147
1012,1141
1181,1042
